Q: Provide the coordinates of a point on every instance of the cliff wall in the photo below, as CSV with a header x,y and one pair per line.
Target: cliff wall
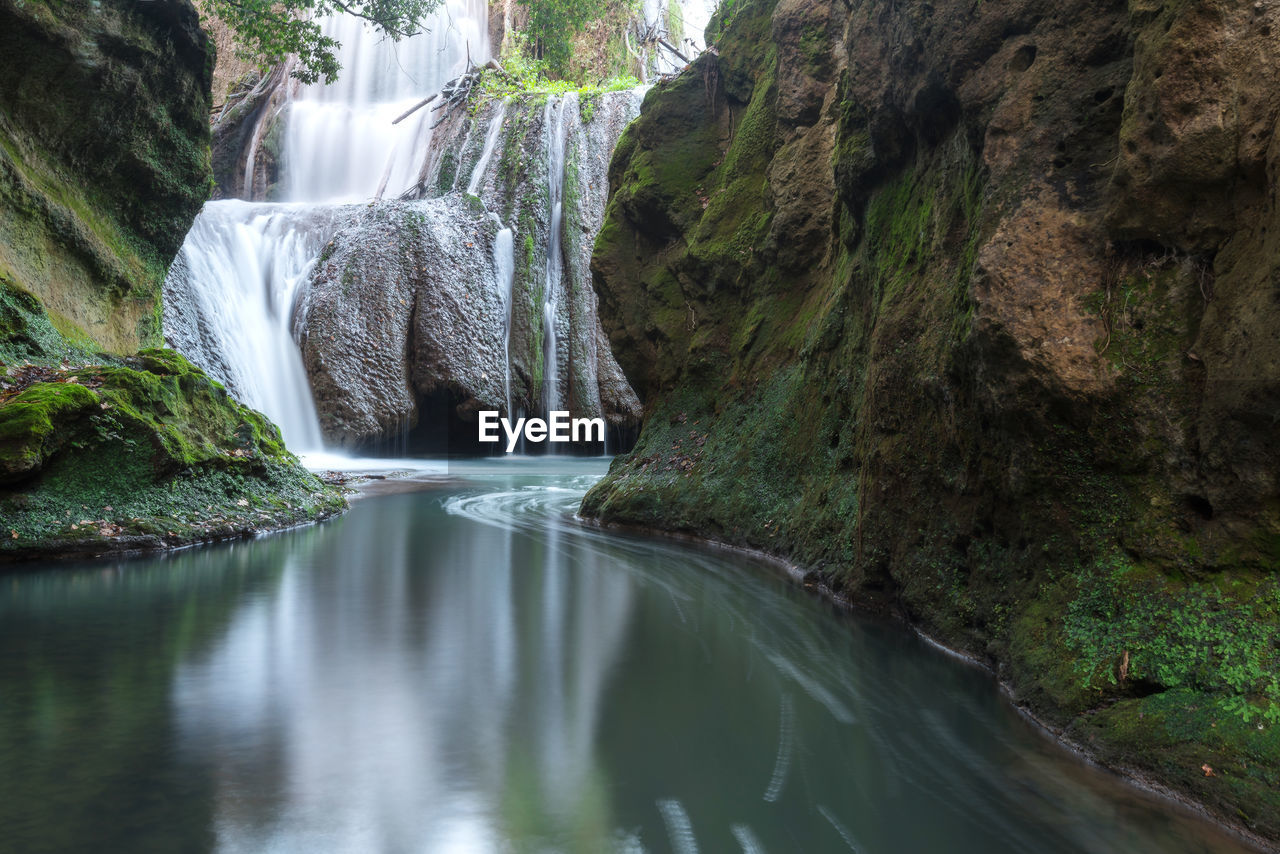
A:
x,y
972,310
104,157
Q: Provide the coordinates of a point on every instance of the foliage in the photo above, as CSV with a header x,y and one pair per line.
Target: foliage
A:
x,y
553,23
271,30
525,75
1126,625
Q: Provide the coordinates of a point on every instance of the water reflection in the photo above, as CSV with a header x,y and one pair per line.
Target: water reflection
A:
x,y
469,670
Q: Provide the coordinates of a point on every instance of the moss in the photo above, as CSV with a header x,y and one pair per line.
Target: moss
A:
x,y
28,334
104,158
1185,739
150,448
448,172
36,423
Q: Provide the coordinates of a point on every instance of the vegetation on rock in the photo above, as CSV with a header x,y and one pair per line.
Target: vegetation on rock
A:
x,y
271,31
898,315
104,163
106,454
104,157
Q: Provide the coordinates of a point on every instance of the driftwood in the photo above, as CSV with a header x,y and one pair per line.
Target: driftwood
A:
x,y
414,109
668,46
456,92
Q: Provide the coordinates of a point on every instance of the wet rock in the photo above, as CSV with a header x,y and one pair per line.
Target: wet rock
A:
x,y
247,136
403,304
407,301
973,303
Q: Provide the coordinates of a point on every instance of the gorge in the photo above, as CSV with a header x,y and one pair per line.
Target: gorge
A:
x,y
962,313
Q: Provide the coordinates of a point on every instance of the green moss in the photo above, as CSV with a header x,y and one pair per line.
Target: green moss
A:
x,y
27,334
101,173
851,414
151,448
1127,624
36,423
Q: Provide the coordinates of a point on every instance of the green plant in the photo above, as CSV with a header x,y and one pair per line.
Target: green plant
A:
x,y
1126,624
271,30
553,23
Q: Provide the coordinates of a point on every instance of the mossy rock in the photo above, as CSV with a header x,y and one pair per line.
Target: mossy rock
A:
x,y
105,454
104,157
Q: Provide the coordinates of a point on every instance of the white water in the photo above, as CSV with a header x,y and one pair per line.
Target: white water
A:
x,y
490,142
504,265
231,301
244,266
555,258
683,24
340,142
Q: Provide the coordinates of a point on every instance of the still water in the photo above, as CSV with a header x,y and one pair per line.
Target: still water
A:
x,y
465,668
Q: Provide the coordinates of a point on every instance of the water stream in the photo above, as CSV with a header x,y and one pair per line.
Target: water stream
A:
x,y
553,119
465,667
468,669
229,305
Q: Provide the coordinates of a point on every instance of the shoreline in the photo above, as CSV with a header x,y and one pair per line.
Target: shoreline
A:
x,y
49,556
361,486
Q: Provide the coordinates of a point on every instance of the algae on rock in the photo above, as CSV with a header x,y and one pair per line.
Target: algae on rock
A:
x,y
104,163
143,452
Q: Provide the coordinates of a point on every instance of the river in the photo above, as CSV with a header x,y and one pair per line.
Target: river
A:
x,y
464,667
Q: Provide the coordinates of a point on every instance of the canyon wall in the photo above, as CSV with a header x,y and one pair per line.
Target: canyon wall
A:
x,y
104,157
104,163
971,310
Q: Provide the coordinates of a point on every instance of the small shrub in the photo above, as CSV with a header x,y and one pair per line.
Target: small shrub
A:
x,y
1125,624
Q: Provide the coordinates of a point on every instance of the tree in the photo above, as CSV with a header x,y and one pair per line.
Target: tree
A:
x,y
552,23
274,29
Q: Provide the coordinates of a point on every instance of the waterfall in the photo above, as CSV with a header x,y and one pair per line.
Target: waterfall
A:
x,y
555,256
504,265
339,139
229,302
490,142
683,24
231,297
411,271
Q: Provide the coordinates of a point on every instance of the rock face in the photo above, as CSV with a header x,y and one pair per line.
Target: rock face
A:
x,y
972,309
403,305
104,162
424,303
247,137
104,157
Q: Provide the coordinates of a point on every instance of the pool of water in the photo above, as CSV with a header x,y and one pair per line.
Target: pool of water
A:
x,y
466,668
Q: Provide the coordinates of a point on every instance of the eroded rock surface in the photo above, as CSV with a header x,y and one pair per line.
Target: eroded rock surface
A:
x,y
403,304
408,301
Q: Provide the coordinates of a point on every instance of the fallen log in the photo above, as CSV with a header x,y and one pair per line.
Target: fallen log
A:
x,y
414,109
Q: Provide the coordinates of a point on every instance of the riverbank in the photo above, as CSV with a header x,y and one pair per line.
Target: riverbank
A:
x,y
109,455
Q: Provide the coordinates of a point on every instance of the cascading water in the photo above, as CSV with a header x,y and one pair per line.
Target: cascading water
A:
x,y
555,257
419,273
340,143
230,301
681,24
504,265
258,256
490,142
